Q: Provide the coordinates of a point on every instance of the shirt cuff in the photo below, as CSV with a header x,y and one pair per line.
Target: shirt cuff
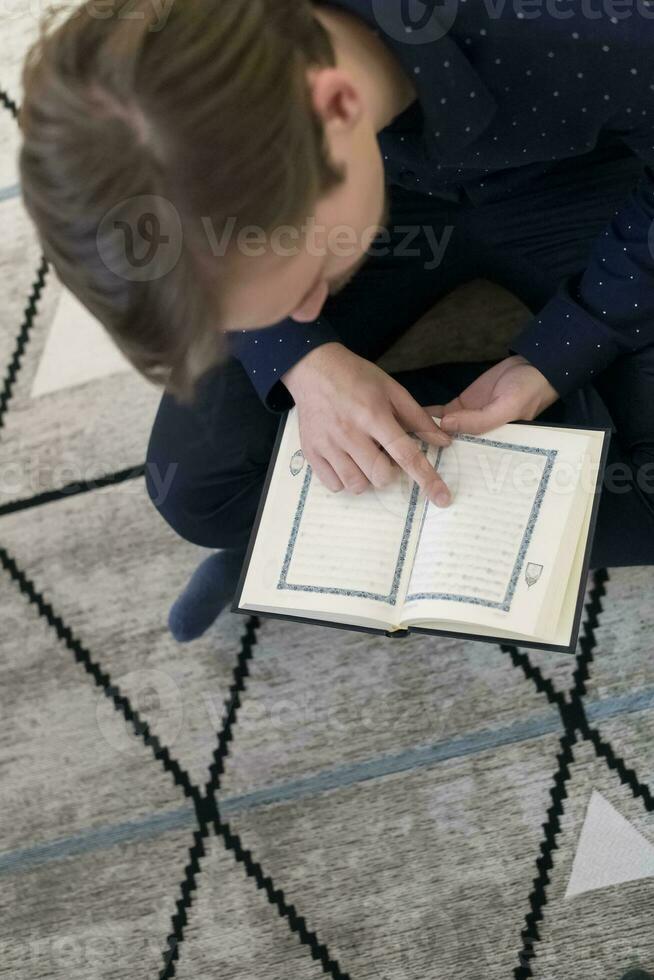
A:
x,y
269,353
566,343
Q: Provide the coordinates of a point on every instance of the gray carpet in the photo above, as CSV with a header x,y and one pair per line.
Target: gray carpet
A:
x,y
279,800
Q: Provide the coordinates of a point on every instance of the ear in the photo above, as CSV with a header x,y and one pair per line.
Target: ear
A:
x,y
335,97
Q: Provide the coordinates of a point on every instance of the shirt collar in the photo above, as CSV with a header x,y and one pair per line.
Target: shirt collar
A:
x,y
456,104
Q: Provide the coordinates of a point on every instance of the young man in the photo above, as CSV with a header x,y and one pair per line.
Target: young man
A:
x,y
505,141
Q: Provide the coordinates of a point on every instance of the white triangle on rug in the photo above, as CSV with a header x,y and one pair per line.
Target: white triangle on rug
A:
x,y
610,850
77,350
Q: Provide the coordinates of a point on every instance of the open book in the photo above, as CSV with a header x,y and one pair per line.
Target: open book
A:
x,y
507,560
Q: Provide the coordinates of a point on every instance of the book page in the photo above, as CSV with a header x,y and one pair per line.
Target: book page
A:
x,y
551,630
488,558
557,614
340,553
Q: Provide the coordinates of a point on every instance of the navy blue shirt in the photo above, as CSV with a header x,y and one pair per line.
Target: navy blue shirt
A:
x,y
503,90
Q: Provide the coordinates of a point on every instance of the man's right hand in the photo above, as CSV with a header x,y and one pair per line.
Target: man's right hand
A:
x,y
355,422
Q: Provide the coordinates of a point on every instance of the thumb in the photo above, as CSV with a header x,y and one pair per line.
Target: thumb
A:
x,y
475,421
440,411
417,419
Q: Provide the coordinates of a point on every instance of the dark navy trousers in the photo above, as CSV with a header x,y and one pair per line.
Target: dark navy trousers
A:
x,y
207,462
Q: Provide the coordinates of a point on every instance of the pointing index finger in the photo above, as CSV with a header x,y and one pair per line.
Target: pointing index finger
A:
x,y
408,454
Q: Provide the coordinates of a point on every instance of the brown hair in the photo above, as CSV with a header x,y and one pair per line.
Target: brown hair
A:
x,y
128,124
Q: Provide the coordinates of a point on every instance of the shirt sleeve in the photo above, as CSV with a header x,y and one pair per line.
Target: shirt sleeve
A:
x,y
268,353
607,309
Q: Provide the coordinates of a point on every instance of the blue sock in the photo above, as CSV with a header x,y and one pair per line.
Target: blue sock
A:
x,y
210,589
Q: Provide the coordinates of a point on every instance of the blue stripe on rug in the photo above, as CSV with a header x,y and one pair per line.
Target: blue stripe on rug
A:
x,y
95,840
7,193
415,758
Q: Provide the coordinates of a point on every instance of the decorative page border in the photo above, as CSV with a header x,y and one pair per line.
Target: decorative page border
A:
x,y
505,603
391,597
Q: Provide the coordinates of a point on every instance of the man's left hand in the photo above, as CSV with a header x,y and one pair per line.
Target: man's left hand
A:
x,y
511,390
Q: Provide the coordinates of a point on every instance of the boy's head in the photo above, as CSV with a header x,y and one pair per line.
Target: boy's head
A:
x,y
215,172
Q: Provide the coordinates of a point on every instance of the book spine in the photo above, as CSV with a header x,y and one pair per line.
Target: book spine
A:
x,y
397,633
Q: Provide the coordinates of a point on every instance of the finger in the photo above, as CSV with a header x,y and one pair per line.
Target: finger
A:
x,y
373,460
326,474
408,454
435,410
440,410
414,418
475,421
352,477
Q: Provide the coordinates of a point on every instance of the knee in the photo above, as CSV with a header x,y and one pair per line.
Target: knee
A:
x,y
166,490
211,510
206,516
206,463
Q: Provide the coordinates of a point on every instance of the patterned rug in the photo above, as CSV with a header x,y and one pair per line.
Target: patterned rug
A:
x,y
277,800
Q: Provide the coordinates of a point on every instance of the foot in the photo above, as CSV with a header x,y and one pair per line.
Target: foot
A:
x,y
210,589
